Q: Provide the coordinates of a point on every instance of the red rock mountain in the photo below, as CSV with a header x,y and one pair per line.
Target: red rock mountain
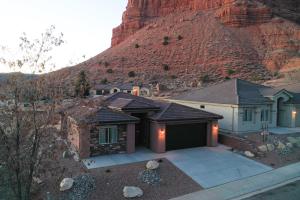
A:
x,y
181,42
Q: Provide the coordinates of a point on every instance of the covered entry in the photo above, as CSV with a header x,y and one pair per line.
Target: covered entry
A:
x,y
186,136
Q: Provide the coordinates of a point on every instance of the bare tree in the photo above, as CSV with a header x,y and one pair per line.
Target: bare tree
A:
x,y
24,122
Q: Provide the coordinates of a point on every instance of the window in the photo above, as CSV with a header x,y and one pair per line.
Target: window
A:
x,y
108,135
247,115
264,115
202,106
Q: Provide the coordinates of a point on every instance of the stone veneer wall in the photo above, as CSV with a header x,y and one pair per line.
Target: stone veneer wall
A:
x,y
97,149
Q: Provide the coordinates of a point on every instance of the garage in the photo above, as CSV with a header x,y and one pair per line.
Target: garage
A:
x,y
183,136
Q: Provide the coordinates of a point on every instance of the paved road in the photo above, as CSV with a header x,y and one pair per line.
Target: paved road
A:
x,y
288,192
208,166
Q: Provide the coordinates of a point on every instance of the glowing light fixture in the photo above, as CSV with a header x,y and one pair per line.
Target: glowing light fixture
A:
x,y
162,134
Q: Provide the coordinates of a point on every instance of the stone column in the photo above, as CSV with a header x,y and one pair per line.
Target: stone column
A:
x,y
130,139
158,137
84,141
212,133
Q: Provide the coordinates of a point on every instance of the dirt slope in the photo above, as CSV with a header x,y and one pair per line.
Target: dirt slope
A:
x,y
219,39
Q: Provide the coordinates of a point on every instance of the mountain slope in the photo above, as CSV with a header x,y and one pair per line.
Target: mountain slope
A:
x,y
204,40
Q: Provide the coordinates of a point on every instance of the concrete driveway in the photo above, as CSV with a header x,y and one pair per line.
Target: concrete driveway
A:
x,y
207,166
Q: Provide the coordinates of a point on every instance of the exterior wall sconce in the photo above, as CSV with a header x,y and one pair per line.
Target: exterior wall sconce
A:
x,y
162,134
294,114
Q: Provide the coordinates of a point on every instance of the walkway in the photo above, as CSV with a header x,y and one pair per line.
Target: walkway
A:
x,y
283,130
245,186
208,166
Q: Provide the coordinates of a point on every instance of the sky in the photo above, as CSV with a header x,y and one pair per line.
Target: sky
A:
x,y
86,24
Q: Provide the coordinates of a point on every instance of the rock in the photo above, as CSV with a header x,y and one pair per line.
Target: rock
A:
x,y
132,192
37,180
66,184
249,154
152,164
280,146
289,145
263,148
270,147
83,185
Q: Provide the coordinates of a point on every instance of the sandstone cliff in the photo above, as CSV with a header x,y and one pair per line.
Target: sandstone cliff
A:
x,y
195,38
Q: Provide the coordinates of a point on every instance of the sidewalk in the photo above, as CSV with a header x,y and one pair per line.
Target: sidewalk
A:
x,y
245,186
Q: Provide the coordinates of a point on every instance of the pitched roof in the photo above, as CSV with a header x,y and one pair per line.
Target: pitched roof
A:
x,y
234,91
109,99
174,111
105,115
132,104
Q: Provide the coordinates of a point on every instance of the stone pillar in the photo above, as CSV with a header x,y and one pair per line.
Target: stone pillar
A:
x,y
294,116
158,137
212,133
130,139
84,141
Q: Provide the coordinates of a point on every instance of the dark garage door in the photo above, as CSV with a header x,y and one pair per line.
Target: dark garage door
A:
x,y
185,136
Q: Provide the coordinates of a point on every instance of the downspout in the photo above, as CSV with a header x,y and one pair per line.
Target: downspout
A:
x,y
232,122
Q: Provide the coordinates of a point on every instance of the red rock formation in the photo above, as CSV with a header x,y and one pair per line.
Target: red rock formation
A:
x,y
217,36
236,13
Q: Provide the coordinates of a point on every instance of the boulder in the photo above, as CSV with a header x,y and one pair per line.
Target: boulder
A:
x,y
270,147
37,180
66,184
249,154
152,164
289,145
132,192
280,146
263,148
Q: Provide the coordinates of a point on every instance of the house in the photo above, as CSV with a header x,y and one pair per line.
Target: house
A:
x,y
246,107
130,88
121,122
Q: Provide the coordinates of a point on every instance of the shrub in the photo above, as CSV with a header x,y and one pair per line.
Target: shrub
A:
x,y
106,64
104,81
227,78
165,43
230,71
110,71
179,37
205,78
137,46
100,63
166,40
131,74
166,67
173,77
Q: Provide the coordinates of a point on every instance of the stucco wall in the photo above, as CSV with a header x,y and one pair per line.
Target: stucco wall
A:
x,y
157,137
256,124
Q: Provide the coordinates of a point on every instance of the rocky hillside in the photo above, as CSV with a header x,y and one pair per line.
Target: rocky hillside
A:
x,y
187,42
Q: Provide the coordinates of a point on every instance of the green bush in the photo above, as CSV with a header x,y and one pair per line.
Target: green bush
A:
x,y
179,37
110,71
106,64
230,71
131,74
205,78
137,46
104,81
227,78
166,40
166,67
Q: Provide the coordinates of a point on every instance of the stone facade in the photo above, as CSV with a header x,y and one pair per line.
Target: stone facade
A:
x,y
97,149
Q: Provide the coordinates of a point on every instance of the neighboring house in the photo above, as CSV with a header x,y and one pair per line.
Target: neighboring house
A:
x,y
105,89
246,107
122,122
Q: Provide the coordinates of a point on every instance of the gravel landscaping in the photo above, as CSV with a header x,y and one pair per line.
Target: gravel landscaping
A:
x,y
173,182
277,151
